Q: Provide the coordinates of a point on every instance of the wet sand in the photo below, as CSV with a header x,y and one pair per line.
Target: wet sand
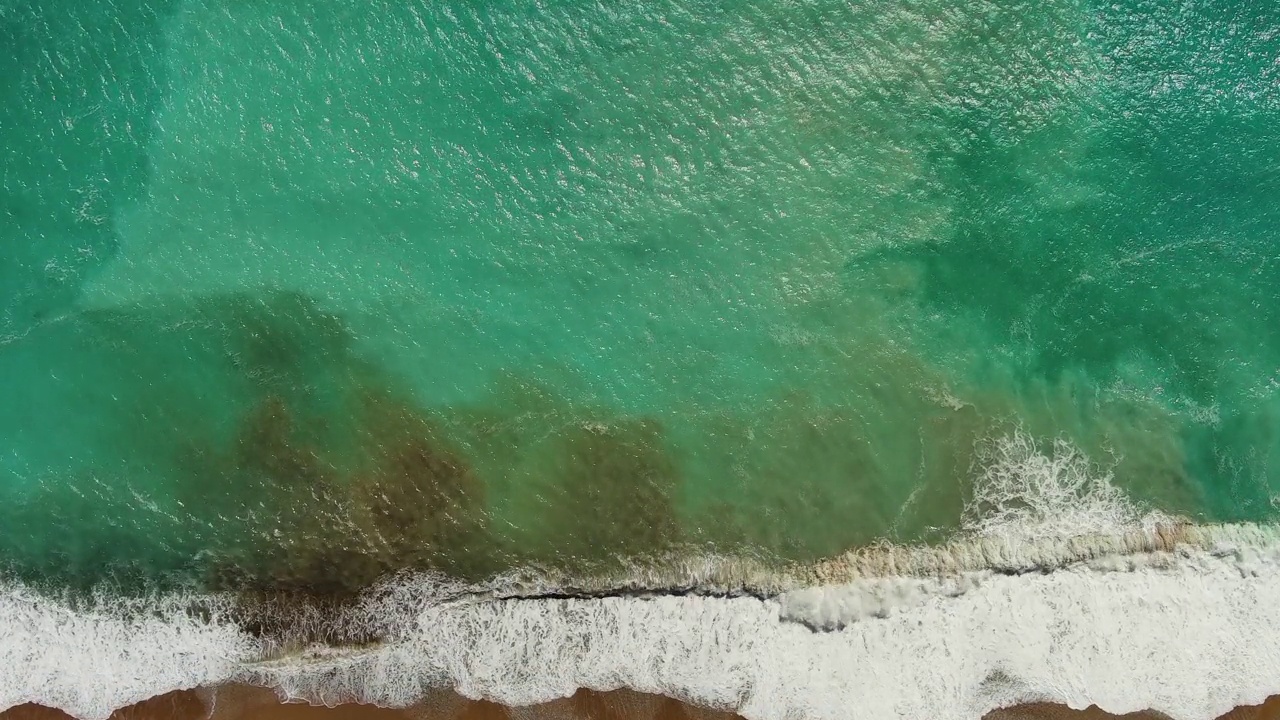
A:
x,y
250,703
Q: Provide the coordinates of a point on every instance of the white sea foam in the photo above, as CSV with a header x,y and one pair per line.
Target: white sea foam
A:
x,y
1191,633
832,608
1134,615
1192,641
1032,495
91,662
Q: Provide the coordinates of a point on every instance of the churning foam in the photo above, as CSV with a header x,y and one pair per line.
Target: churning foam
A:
x,y
1030,495
1179,619
89,662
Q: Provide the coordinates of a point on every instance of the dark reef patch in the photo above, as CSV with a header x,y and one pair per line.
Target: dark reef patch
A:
x,y
243,444
603,491
409,502
258,444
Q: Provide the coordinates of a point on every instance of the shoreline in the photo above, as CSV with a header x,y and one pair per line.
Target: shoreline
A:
x,y
1186,626
242,702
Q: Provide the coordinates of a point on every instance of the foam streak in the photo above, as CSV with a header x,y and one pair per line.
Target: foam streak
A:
x,y
1189,633
1191,640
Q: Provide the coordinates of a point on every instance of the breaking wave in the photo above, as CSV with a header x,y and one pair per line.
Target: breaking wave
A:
x,y
1032,495
1060,590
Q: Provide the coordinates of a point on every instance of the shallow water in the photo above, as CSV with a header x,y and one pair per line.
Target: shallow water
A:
x,y
561,298
299,295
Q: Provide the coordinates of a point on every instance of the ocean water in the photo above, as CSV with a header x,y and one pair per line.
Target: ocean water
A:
x,y
511,337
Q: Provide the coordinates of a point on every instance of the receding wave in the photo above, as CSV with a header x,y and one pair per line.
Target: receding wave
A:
x,y
240,702
1156,614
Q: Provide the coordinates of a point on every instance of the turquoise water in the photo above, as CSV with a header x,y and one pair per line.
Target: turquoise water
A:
x,y
294,295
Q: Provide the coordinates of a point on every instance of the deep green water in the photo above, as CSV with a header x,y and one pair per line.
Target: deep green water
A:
x,y
294,294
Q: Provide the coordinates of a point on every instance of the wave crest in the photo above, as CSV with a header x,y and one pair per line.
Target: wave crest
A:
x,y
1030,495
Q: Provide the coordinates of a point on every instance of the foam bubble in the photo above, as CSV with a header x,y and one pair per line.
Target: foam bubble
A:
x,y
831,608
1032,495
1191,640
1190,633
91,661
1128,611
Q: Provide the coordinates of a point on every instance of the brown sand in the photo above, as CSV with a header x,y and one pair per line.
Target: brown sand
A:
x,y
250,703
